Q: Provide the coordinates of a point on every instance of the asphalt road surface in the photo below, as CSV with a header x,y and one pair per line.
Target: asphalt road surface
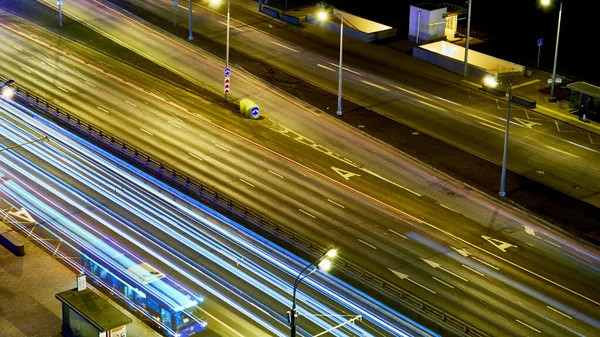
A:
x,y
339,194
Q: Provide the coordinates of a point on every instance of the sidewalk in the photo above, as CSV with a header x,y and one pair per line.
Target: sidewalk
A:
x,y
28,284
397,54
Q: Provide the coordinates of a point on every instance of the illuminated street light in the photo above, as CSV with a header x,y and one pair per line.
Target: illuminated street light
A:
x,y
547,3
322,263
323,16
490,81
216,3
7,91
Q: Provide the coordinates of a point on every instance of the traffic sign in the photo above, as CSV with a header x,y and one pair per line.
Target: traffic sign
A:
x,y
540,42
254,111
227,71
226,86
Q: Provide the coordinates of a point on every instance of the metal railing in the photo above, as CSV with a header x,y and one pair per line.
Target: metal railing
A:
x,y
207,192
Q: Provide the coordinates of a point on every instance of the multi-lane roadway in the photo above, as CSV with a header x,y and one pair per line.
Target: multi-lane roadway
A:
x,y
459,251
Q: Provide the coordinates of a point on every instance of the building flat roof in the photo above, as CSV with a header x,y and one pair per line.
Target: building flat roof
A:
x,y
362,24
585,88
94,309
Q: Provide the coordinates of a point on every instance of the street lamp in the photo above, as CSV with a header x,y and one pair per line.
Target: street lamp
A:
x,y
324,264
59,4
7,91
547,3
323,16
215,3
191,37
467,42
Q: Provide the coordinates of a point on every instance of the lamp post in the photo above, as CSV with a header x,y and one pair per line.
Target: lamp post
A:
x,y
59,4
323,263
323,16
467,42
175,5
546,3
191,37
215,3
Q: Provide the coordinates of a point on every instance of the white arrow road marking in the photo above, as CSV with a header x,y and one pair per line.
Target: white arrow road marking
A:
x,y
529,231
405,277
526,122
436,265
498,243
461,251
22,214
345,174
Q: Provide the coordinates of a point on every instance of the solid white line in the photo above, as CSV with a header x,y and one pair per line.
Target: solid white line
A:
x,y
193,11
220,147
491,126
473,270
447,100
102,109
487,264
346,69
286,47
175,125
368,244
563,152
305,212
148,132
375,85
245,182
393,231
412,92
442,282
335,203
324,67
126,101
203,118
559,312
225,23
552,243
25,70
420,285
18,48
432,105
195,156
275,174
594,168
92,84
63,89
526,83
529,326
446,207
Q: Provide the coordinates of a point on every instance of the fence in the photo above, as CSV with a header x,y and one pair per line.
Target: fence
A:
x,y
206,192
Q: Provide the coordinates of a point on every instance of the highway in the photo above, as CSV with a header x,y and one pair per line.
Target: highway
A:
x,y
537,142
376,221
77,192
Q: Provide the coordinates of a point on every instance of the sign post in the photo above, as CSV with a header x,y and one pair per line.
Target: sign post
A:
x,y
540,42
59,4
175,5
81,282
226,85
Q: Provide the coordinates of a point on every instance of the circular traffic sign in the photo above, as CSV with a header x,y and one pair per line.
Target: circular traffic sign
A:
x,y
227,71
254,111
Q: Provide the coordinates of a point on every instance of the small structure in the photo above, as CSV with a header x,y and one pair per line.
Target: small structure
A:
x,y
584,97
85,314
433,22
354,26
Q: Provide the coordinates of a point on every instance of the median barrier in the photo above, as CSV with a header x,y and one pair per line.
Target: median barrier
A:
x,y
524,101
290,19
11,240
205,193
497,91
270,12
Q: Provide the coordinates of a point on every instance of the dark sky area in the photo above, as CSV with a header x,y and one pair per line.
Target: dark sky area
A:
x,y
513,27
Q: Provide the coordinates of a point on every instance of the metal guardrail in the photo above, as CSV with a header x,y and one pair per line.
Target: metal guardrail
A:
x,y
212,194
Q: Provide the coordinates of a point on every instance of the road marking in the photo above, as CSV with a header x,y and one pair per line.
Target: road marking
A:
x,y
473,270
442,282
559,312
49,64
91,84
325,67
368,244
218,320
436,265
187,8
503,246
416,94
245,182
203,118
346,69
335,203
526,122
401,235
126,101
594,168
63,89
552,243
345,174
275,174
563,152
432,105
471,83
284,46
405,277
529,231
559,130
148,132
102,109
529,326
17,48
195,156
461,251
25,70
491,126
220,147
486,263
447,100
525,84
225,23
446,207
375,85
175,125
305,212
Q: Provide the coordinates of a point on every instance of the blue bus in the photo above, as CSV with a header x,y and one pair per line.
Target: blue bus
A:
x,y
167,302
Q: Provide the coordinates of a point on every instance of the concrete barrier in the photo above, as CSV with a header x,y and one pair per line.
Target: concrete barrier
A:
x,y
290,19
524,101
249,109
498,91
11,240
270,12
